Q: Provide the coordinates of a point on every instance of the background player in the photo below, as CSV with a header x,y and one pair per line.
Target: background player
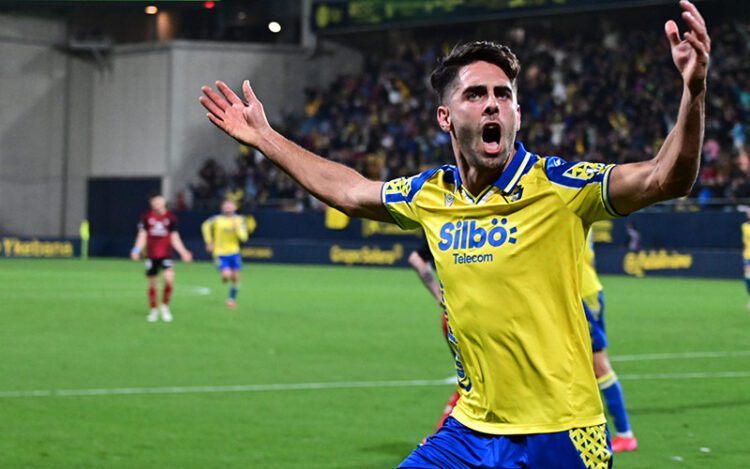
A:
x,y
157,231
223,234
593,304
746,251
421,261
507,228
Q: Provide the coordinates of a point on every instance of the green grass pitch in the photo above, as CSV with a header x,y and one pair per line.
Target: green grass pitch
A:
x,y
118,392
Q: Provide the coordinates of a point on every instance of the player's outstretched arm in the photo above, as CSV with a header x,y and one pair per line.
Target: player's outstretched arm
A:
x,y
335,184
672,172
140,243
179,246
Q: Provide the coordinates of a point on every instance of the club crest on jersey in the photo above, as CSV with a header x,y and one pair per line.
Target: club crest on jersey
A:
x,y
449,200
585,171
158,227
516,195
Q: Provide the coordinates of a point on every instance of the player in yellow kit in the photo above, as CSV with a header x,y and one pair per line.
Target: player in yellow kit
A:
x,y
507,229
593,304
746,252
223,234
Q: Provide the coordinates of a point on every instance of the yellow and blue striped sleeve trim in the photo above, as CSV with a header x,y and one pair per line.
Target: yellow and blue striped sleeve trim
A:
x,y
577,175
605,193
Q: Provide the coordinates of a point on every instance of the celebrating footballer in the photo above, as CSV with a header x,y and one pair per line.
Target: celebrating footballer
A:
x,y
507,228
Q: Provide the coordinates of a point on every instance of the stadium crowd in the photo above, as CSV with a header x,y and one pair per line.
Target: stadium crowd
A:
x,y
595,98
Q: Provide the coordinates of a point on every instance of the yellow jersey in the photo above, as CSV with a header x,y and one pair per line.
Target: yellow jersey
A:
x,y
746,240
510,262
225,233
590,284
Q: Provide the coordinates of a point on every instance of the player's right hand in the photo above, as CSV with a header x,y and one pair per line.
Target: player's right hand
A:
x,y
187,256
209,247
245,122
135,256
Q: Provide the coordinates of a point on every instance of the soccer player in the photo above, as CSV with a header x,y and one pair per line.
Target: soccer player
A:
x,y
746,252
593,304
157,231
507,229
421,261
223,234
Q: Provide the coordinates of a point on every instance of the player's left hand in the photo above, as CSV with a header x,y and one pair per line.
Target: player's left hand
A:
x,y
187,256
691,54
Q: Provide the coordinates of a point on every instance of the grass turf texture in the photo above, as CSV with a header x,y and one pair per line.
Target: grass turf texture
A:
x,y
81,325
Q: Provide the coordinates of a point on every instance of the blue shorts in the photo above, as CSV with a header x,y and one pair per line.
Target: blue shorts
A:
x,y
594,309
232,262
457,447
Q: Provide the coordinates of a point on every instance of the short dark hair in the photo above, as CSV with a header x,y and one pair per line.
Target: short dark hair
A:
x,y
155,194
464,54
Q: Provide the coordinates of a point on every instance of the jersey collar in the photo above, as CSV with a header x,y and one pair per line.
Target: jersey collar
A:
x,y
520,164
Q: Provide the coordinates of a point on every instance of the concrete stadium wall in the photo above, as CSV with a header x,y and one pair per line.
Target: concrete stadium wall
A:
x,y
278,74
130,112
79,142
33,78
68,118
146,119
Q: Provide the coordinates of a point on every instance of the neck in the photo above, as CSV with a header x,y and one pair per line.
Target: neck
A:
x,y
474,179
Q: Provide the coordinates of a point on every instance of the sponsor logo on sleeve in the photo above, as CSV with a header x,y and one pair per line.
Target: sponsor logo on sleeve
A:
x,y
585,171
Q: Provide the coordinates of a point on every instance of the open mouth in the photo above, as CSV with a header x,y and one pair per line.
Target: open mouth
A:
x,y
491,138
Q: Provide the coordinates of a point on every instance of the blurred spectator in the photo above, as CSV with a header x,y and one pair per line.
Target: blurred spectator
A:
x,y
606,96
180,202
633,237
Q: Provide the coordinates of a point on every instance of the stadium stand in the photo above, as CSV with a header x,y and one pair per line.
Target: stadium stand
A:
x,y
595,96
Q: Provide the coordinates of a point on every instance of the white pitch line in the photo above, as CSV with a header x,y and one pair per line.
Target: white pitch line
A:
x,y
237,388
199,290
332,385
679,356
109,293
680,376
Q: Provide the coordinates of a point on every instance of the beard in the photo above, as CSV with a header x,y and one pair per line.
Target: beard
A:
x,y
471,147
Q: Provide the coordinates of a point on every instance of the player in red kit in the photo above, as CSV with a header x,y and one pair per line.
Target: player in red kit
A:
x,y
157,231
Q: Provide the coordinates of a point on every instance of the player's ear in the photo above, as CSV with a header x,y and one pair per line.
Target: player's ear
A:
x,y
444,118
518,117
